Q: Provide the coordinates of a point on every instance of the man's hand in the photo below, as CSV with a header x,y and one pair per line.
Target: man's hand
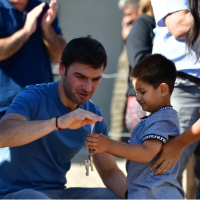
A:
x,y
170,153
50,15
126,27
31,19
98,143
77,119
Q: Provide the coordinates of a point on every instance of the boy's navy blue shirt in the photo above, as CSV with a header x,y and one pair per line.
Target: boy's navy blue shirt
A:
x,y
31,64
43,163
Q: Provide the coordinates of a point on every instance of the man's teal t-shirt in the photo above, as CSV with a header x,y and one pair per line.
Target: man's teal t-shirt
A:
x,y
42,164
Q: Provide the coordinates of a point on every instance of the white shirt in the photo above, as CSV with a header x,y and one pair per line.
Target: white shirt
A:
x,y
166,44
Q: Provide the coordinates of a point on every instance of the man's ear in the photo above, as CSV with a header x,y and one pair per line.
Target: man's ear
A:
x,y
164,89
62,68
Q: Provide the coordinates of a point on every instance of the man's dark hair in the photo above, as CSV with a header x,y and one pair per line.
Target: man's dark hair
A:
x,y
155,69
85,50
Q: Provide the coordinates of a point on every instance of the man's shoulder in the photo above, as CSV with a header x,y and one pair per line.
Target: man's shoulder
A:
x,y
145,20
91,106
41,89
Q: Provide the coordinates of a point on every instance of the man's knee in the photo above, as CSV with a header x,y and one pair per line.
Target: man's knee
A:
x,y
26,194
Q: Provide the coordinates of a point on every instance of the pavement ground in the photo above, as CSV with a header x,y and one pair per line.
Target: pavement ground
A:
x,y
76,176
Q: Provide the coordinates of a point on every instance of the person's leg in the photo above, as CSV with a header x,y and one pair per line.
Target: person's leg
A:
x,y
186,101
26,194
88,193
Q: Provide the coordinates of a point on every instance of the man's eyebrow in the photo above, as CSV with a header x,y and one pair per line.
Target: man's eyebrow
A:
x,y
77,73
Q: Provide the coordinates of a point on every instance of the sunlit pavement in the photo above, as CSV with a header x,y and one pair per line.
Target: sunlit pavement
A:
x,y
76,176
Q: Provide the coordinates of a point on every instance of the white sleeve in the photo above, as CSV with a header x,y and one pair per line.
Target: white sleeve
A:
x,y
162,8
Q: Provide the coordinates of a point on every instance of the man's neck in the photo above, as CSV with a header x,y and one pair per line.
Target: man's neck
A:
x,y
66,101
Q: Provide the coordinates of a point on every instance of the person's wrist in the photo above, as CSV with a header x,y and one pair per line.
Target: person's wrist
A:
x,y
110,143
46,27
26,32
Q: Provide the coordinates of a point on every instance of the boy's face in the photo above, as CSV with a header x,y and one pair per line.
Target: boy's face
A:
x,y
147,96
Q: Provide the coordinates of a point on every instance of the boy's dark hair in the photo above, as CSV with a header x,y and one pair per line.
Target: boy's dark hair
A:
x,y
85,50
155,69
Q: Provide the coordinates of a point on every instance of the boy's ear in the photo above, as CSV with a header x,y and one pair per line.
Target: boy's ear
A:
x,y
164,89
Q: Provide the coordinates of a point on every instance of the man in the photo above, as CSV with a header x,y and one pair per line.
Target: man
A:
x,y
29,38
36,153
173,21
118,105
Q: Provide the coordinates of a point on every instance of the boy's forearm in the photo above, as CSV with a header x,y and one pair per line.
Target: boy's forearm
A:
x,y
138,153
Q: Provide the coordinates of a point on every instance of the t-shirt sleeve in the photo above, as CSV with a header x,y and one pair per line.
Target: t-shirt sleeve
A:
x,y
26,103
162,8
161,130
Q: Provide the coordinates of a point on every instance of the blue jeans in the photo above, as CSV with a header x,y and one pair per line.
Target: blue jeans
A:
x,y
185,100
69,193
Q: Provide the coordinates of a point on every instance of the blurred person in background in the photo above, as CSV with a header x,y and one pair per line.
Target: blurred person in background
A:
x,y
118,105
139,44
30,38
173,24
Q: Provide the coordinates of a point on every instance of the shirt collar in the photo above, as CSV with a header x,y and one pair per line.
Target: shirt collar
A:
x,y
6,4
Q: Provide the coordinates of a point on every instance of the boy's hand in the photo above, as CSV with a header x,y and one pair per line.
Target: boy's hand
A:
x,y
98,143
170,153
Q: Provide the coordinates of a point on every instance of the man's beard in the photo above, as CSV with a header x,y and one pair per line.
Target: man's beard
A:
x,y
69,94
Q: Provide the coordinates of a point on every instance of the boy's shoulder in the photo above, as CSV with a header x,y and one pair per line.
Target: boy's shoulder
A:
x,y
165,122
165,113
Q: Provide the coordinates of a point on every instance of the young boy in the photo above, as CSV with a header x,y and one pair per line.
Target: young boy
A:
x,y
153,80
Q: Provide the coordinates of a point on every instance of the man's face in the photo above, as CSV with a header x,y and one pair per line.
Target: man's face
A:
x,y
130,14
81,81
17,3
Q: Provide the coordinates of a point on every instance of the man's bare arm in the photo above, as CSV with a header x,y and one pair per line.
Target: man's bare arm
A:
x,y
15,130
111,175
54,43
10,45
179,23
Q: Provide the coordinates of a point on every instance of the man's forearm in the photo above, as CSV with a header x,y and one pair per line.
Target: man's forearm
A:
x,y
111,175
19,132
179,23
116,181
10,45
54,43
